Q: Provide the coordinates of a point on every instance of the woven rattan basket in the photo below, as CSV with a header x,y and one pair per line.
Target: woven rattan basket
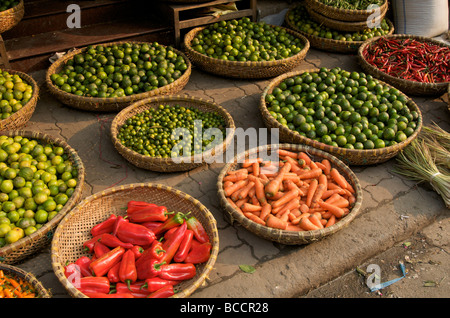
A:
x,y
406,86
343,14
348,156
329,45
74,229
11,17
243,70
41,291
99,104
283,236
168,164
28,245
349,26
20,118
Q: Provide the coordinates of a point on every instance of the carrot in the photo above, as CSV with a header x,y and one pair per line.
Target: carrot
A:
x,y
315,220
294,204
226,184
234,187
304,208
305,157
288,196
331,221
327,215
313,165
338,178
313,173
265,211
323,180
337,211
274,185
259,191
245,190
240,203
248,207
294,164
318,194
287,153
240,175
329,193
274,222
278,195
256,169
254,218
327,165
249,162
295,213
306,224
320,165
297,220
311,190
293,227
285,215
254,200
351,199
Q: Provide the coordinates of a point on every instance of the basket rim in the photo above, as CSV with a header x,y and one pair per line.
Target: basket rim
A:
x,y
41,291
348,44
30,104
171,98
111,100
299,237
56,265
250,64
388,77
13,10
327,8
328,148
23,242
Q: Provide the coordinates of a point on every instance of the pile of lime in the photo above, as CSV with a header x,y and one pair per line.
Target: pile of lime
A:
x,y
165,131
343,109
244,40
14,93
120,70
8,4
36,181
301,20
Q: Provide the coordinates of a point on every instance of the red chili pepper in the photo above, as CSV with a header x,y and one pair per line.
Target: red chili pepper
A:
x,y
88,246
147,268
119,221
134,289
164,292
113,273
103,295
134,206
184,247
137,251
83,264
199,253
94,285
70,270
168,233
151,225
149,214
102,265
155,283
177,271
156,250
104,227
171,245
173,221
100,249
194,225
135,234
113,241
127,270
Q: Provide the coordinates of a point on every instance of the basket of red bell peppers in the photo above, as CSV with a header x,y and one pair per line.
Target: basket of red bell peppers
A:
x,y
141,248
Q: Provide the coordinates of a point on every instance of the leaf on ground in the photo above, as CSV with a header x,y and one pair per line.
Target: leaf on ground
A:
x,y
247,268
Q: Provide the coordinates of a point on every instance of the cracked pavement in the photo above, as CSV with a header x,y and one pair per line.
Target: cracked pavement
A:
x,y
393,208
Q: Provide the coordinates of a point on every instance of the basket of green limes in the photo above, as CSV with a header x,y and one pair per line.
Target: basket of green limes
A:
x,y
172,133
42,179
111,76
19,93
235,48
11,12
356,117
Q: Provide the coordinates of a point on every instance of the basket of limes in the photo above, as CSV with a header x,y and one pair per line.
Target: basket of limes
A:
x,y
11,12
42,179
19,93
236,49
352,115
111,76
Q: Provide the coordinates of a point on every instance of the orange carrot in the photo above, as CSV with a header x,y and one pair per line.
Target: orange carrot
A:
x,y
265,211
288,196
305,157
306,224
338,178
311,190
254,200
294,164
245,190
323,180
304,208
317,194
256,169
240,203
297,220
259,191
293,227
327,165
254,218
313,165
313,173
240,175
274,185
287,153
320,165
249,162
234,187
294,204
248,207
329,193
331,221
337,211
274,222
285,215
327,215
315,220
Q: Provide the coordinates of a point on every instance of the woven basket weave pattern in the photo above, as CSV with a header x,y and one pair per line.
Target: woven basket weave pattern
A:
x,y
11,17
74,229
41,291
343,14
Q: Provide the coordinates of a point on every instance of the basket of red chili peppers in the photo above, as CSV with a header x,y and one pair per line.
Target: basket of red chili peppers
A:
x,y
415,65
135,241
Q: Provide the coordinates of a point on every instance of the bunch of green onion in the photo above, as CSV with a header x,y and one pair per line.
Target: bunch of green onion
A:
x,y
352,4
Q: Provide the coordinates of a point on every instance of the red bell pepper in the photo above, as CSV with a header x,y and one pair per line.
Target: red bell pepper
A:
x,y
88,246
94,285
199,253
194,225
168,233
177,271
119,221
155,283
70,270
105,226
113,273
83,264
137,251
102,265
103,295
127,270
135,289
149,214
151,225
173,221
184,247
134,206
100,249
113,241
171,245
156,250
135,234
164,292
148,268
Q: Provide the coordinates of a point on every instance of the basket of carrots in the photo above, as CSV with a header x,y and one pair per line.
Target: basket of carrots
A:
x,y
135,241
416,65
17,283
288,193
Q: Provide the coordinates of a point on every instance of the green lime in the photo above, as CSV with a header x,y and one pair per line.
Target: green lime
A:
x,y
14,235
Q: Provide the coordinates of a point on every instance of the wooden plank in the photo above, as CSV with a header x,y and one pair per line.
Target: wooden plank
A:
x,y
211,19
